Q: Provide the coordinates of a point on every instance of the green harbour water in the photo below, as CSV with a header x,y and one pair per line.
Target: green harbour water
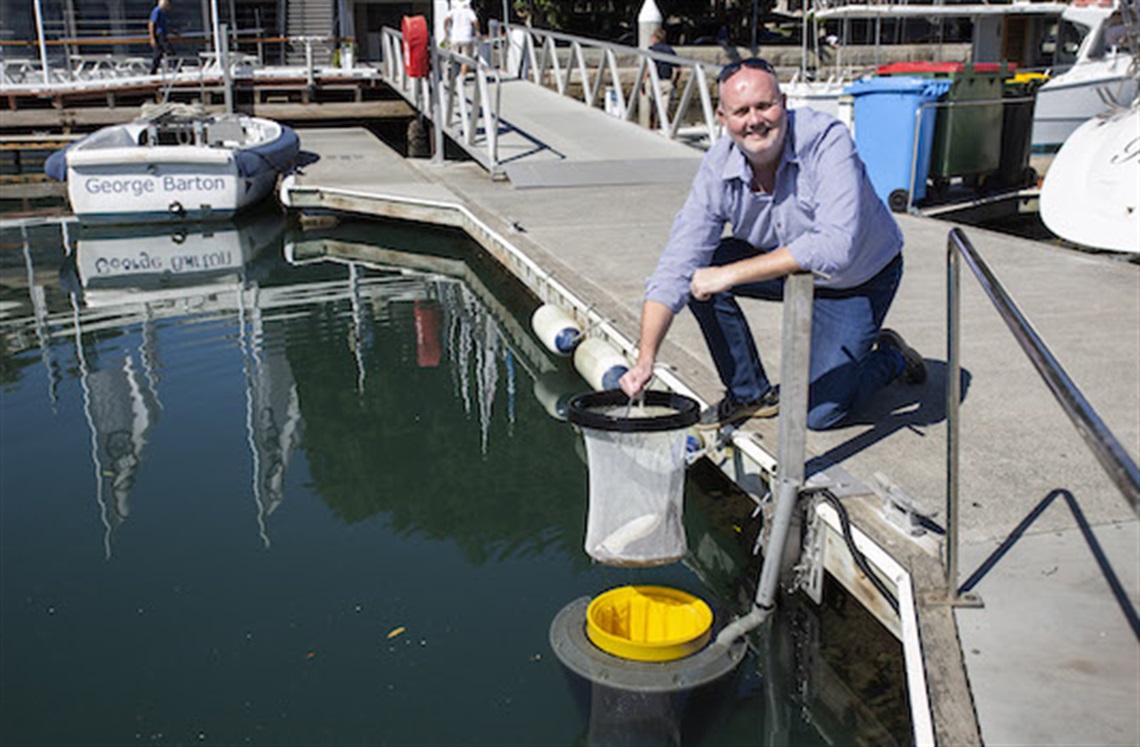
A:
x,y
271,487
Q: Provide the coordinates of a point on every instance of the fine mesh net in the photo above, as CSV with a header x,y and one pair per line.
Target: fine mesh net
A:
x,y
637,479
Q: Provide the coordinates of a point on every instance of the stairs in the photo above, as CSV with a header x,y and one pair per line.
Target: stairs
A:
x,y
310,18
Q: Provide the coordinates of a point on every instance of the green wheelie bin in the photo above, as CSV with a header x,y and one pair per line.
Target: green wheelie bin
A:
x,y
968,128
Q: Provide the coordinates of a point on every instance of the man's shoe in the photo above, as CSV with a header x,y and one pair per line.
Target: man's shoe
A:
x,y
731,412
914,371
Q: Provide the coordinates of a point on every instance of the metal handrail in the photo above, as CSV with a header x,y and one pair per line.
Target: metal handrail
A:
x,y
483,114
474,125
566,59
587,70
72,71
1119,466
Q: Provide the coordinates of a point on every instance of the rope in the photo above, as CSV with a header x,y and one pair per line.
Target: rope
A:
x,y
171,110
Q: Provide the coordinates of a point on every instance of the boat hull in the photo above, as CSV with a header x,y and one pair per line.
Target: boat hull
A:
x,y
1069,100
202,170
1091,194
162,184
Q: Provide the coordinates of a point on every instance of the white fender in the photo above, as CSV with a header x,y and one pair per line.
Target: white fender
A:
x,y
285,190
556,329
600,363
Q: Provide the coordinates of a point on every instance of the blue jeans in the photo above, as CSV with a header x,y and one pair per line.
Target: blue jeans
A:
x,y
162,47
845,368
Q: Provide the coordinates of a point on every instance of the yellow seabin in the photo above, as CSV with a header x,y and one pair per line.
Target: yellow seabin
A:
x,y
648,623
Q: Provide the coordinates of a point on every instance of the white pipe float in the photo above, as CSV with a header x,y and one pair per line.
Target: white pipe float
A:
x,y
556,329
600,363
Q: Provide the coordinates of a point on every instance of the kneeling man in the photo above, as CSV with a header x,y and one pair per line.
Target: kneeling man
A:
x,y
797,198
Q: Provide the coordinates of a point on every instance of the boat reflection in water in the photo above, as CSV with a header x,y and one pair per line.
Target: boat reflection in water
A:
x,y
115,265
148,273
149,276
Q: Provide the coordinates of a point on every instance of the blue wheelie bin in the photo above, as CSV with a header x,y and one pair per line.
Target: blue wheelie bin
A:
x,y
885,113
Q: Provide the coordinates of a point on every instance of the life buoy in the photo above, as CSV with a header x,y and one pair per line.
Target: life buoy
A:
x,y
416,56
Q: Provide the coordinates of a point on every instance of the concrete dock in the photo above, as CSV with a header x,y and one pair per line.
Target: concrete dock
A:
x,y
1052,656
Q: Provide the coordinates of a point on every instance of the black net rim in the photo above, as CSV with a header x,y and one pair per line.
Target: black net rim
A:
x,y
686,412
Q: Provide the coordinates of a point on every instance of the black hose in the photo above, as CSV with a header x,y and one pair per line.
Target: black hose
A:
x,y
860,559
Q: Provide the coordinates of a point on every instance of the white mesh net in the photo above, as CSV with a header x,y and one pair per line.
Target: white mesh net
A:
x,y
637,486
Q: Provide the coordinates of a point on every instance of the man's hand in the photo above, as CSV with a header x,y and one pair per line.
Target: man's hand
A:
x,y
655,320
708,281
637,378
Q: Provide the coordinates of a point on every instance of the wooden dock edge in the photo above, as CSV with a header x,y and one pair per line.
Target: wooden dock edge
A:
x,y
952,710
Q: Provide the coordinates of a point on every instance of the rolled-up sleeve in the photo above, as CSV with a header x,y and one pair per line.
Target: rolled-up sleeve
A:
x,y
835,224
696,231
834,200
823,209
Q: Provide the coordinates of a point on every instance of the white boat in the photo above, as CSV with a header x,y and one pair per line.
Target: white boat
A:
x,y
996,29
821,95
1099,77
174,165
1091,193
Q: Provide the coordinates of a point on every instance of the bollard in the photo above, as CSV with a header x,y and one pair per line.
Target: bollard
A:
x,y
649,19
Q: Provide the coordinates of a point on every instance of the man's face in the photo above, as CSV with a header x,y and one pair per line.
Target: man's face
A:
x,y
752,110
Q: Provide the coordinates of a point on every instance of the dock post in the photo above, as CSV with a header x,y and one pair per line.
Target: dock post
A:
x,y
436,108
43,46
224,62
953,397
310,80
780,555
795,356
649,19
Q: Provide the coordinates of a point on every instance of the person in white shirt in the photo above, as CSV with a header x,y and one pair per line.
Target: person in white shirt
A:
x,y
461,26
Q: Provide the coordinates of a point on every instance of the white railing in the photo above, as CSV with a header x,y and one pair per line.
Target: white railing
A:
x,y
477,121
68,72
469,110
624,80
585,68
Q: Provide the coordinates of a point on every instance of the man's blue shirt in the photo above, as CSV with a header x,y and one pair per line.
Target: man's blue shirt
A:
x,y
160,20
664,69
823,208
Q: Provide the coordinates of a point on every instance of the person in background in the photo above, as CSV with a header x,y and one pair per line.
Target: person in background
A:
x,y
461,26
666,72
826,46
797,198
159,28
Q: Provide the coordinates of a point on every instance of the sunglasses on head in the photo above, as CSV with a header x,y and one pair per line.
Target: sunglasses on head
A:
x,y
755,63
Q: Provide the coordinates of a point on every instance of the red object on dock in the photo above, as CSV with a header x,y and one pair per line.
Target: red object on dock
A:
x,y
416,54
921,68
943,68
